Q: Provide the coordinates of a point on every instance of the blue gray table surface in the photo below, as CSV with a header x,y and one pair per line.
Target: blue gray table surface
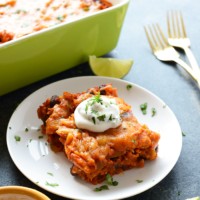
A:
x,y
166,80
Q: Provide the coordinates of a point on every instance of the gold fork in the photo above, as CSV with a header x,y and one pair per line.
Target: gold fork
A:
x,y
178,37
163,51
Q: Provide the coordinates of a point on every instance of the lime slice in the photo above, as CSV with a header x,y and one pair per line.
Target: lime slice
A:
x,y
111,67
194,198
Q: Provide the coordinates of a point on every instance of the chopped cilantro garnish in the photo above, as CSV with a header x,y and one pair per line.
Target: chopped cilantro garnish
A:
x,y
101,118
26,129
21,11
94,111
110,181
93,100
103,187
40,136
60,18
94,120
49,173
139,181
143,108
153,112
86,108
183,134
129,86
111,102
52,184
110,118
97,99
17,138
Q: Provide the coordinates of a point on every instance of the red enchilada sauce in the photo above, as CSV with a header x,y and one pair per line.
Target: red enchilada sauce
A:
x,y
22,17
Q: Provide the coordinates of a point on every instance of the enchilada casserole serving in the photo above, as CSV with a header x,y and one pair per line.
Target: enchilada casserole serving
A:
x,y
98,133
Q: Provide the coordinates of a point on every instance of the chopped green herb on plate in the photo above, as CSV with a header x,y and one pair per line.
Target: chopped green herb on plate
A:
x,y
153,112
52,184
143,108
17,138
110,181
103,187
139,181
129,86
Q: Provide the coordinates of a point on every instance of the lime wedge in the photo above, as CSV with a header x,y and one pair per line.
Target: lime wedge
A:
x,y
194,198
111,67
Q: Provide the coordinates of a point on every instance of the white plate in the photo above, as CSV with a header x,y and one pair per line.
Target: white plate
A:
x,y
37,162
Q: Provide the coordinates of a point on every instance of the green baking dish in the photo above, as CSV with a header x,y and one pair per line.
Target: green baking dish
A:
x,y
50,51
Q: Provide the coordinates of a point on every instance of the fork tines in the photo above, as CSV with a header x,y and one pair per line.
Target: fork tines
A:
x,y
156,37
175,24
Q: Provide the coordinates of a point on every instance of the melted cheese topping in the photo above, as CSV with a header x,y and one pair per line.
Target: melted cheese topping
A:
x,y
97,114
22,17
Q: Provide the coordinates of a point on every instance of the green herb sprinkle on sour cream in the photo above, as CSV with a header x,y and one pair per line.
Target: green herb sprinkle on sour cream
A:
x,y
97,114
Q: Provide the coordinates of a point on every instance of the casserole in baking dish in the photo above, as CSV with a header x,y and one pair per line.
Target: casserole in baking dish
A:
x,y
32,57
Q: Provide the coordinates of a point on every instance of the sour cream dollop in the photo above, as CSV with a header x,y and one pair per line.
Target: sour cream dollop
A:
x,y
97,114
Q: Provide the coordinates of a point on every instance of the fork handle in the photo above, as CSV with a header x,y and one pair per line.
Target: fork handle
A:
x,y
192,61
187,68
